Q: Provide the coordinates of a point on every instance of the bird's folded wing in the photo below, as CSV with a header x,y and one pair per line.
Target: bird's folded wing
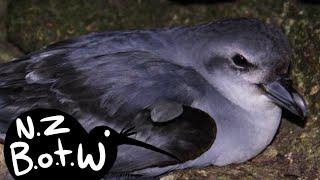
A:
x,y
114,89
117,84
110,85
187,137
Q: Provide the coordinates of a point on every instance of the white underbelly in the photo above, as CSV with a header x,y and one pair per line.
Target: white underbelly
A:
x,y
230,145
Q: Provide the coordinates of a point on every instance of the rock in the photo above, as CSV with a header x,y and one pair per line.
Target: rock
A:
x,y
295,151
3,12
3,168
7,50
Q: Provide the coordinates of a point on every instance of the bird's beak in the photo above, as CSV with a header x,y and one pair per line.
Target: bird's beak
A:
x,y
284,95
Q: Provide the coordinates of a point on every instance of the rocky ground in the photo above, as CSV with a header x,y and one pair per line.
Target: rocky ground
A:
x,y
295,152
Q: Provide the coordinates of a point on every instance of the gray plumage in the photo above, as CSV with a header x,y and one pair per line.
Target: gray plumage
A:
x,y
130,78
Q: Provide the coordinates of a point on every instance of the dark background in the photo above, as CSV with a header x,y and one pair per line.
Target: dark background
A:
x,y
27,25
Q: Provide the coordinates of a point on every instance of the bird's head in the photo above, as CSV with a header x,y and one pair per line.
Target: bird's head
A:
x,y
245,58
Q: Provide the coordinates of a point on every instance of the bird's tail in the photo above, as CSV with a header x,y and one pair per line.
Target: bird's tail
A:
x,y
12,80
4,123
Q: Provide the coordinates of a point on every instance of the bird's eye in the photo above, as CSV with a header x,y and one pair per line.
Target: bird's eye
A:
x,y
241,61
107,133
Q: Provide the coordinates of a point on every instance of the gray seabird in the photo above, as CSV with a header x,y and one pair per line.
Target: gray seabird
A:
x,y
235,71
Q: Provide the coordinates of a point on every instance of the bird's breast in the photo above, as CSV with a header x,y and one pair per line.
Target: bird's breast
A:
x,y
241,134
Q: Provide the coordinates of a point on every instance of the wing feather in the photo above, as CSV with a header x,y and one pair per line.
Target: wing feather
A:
x,y
113,89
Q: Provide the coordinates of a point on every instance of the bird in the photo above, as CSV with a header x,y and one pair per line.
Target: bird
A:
x,y
68,143
235,71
